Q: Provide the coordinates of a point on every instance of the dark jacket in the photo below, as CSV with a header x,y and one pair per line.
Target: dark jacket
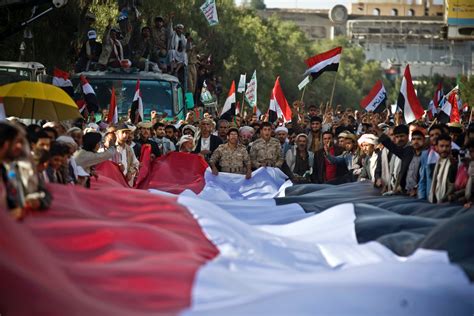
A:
x,y
215,142
319,166
404,153
155,149
365,173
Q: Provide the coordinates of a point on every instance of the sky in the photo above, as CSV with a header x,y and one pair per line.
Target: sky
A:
x,y
304,4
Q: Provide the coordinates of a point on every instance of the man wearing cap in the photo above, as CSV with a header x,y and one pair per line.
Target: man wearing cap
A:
x,y
371,168
90,52
281,134
146,140
129,163
186,144
231,157
159,34
207,143
266,151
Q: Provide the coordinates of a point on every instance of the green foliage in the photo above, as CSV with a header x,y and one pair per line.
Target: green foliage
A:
x,y
257,4
240,43
467,90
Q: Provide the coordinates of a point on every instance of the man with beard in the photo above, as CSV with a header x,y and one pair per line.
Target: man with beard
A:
x,y
222,129
429,158
299,159
231,157
370,171
164,144
170,133
207,143
281,133
20,188
444,173
246,136
314,136
409,157
145,140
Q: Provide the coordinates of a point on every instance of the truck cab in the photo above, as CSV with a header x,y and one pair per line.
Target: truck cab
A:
x,y
13,71
160,92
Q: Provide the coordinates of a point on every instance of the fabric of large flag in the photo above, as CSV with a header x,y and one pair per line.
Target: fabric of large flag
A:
x,y
327,61
90,97
142,253
61,80
279,107
136,110
112,117
407,101
228,110
449,111
376,99
209,9
434,104
174,172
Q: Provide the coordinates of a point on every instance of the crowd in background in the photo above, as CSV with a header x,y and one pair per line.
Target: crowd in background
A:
x,y
423,160
159,46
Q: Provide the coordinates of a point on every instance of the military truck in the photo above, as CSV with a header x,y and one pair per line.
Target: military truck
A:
x,y
160,92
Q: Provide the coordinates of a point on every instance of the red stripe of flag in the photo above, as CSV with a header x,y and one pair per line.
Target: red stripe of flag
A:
x,y
323,56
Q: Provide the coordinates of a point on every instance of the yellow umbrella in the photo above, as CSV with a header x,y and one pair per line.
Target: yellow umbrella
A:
x,y
37,100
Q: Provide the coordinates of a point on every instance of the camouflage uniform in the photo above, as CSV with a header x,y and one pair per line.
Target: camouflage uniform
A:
x,y
231,160
266,153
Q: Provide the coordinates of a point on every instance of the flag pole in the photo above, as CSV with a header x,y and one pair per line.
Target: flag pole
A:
x,y
470,117
333,88
242,108
302,94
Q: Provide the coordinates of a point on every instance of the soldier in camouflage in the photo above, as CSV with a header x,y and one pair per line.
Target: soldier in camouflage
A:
x,y
232,157
266,151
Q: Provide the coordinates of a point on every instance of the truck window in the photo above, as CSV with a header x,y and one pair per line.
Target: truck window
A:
x,y
156,95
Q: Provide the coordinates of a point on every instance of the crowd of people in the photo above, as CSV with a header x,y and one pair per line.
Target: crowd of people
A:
x,y
424,160
159,46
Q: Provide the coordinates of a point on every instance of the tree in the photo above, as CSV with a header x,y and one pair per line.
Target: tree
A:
x,y
258,4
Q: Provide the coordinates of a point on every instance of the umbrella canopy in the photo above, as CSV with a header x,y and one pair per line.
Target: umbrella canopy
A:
x,y
37,100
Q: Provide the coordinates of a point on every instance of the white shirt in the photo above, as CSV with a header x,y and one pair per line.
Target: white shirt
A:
x,y
205,143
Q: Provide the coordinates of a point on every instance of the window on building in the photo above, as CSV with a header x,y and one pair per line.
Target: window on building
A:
x,y
411,12
376,11
394,12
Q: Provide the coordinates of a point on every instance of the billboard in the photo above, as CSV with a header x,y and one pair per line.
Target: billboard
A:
x,y
460,12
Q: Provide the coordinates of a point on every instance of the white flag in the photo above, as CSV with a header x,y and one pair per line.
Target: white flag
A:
x,y
241,86
251,93
209,10
303,83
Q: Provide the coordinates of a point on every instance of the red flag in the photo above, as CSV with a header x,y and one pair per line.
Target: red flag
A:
x,y
112,118
408,102
327,61
279,107
376,97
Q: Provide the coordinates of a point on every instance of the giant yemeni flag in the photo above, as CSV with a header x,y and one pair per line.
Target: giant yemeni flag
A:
x,y
407,100
279,107
376,99
199,244
228,111
327,61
